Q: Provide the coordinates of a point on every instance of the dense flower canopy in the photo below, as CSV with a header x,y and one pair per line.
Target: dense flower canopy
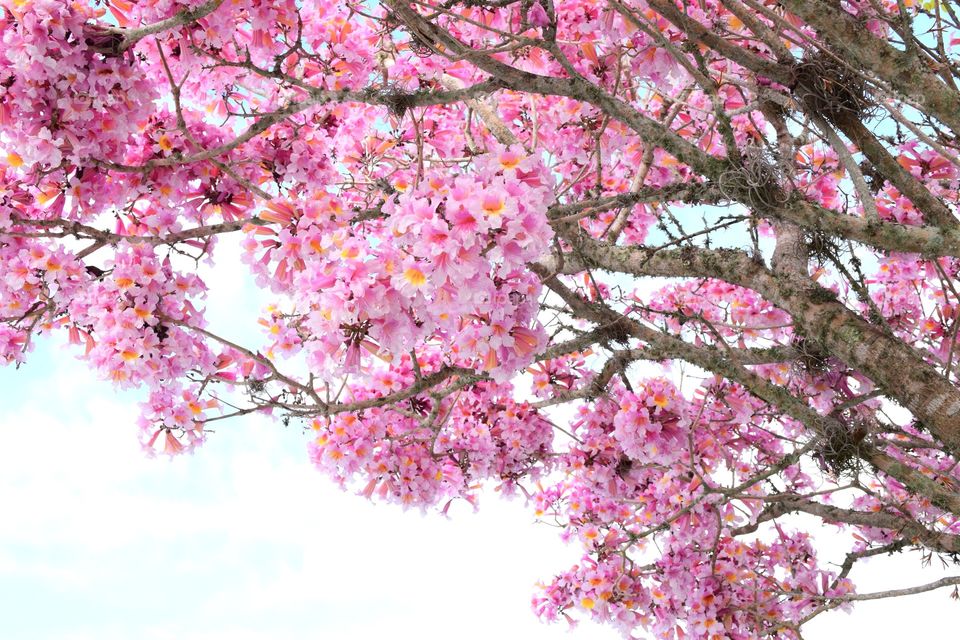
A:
x,y
673,270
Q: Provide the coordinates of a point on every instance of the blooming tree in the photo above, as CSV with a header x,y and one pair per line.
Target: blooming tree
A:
x,y
683,273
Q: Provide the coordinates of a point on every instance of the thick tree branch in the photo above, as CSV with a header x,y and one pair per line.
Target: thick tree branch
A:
x,y
317,97
903,71
79,230
934,211
899,369
662,346
910,529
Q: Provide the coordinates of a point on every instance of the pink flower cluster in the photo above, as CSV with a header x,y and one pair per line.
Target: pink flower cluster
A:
x,y
64,96
453,271
428,448
651,426
698,580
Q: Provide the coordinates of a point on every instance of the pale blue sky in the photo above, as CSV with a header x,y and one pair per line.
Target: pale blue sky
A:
x,y
243,539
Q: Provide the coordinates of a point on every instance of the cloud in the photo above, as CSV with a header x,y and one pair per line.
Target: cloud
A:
x,y
242,540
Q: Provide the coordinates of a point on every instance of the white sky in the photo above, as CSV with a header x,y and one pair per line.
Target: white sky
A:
x,y
245,540
241,540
